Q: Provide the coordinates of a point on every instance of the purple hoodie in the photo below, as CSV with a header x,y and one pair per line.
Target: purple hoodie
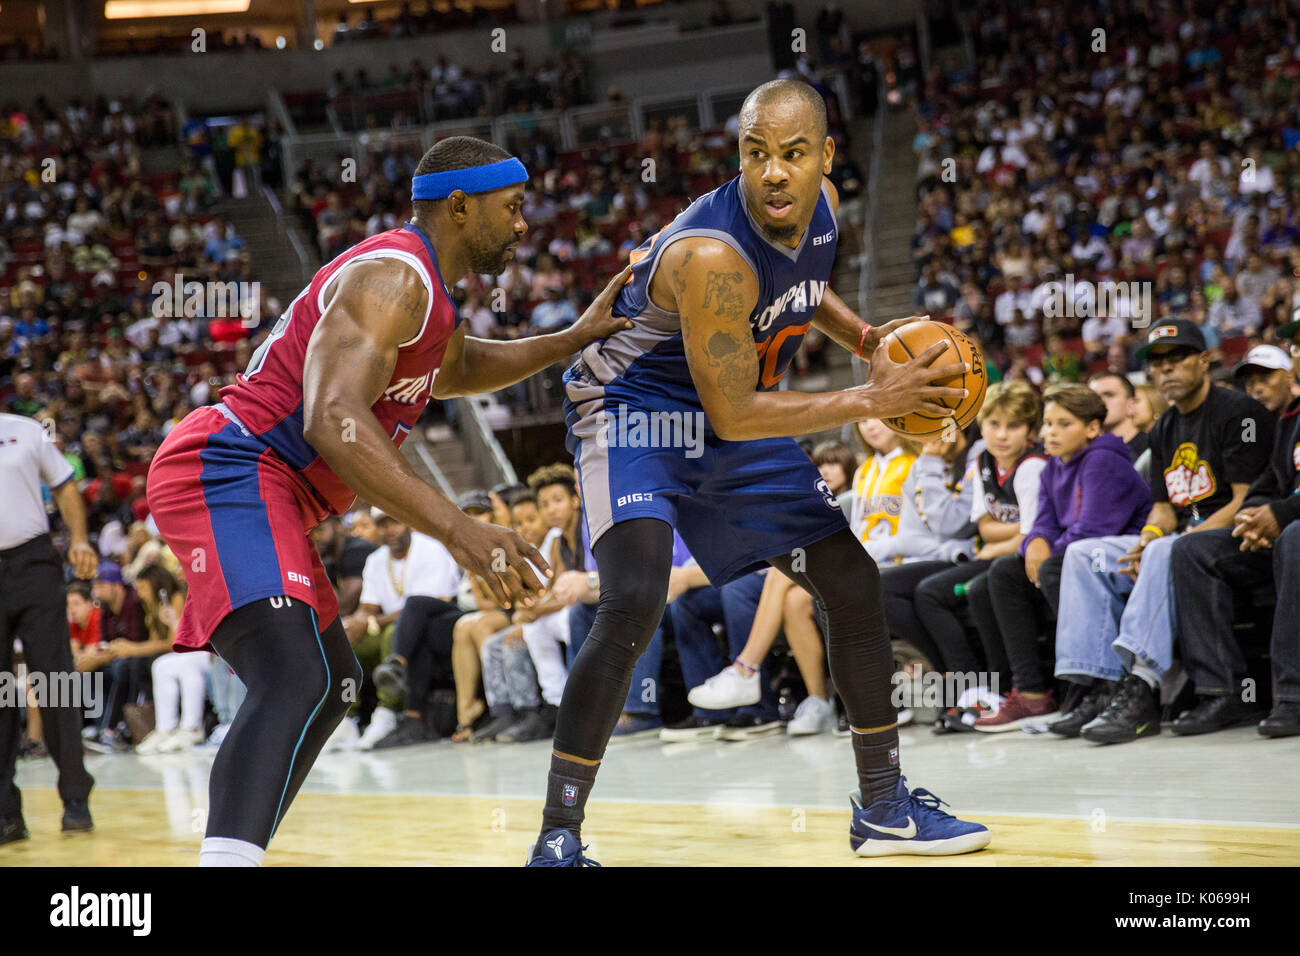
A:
x,y
1095,494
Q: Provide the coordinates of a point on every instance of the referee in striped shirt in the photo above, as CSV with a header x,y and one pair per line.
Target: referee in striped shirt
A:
x,y
33,607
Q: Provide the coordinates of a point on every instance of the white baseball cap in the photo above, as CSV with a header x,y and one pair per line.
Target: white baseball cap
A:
x,y
1268,357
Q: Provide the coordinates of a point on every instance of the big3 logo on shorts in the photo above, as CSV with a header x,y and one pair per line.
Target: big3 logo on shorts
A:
x,y
825,489
1188,478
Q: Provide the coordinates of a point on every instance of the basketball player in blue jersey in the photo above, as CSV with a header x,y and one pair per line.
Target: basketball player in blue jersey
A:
x,y
678,422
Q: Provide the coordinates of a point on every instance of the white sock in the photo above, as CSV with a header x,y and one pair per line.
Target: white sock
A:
x,y
222,851
1149,676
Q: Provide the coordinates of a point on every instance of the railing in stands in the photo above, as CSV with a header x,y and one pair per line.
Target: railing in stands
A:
x,y
427,459
867,269
485,452
278,110
306,269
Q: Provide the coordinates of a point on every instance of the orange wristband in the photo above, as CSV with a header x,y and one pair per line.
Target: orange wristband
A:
x,y
862,340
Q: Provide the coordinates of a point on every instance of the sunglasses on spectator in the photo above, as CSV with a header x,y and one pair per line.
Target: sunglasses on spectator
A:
x,y
1172,357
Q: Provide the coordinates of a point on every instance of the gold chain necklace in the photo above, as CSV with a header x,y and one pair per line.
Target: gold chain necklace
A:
x,y
400,589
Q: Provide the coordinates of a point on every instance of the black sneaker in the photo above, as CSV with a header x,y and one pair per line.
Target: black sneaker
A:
x,y
1133,712
1284,721
692,728
842,725
390,676
749,727
409,730
960,720
1215,713
12,829
1086,709
505,718
76,817
538,724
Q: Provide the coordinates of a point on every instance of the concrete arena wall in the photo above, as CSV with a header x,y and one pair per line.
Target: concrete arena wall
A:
x,y
214,82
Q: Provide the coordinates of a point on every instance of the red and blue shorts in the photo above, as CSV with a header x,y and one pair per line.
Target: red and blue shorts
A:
x,y
238,519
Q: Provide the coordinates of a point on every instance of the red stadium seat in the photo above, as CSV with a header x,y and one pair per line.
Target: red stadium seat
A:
x,y
1234,348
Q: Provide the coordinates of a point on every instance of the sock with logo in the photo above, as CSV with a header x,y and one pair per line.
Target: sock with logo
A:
x,y
222,851
567,788
876,754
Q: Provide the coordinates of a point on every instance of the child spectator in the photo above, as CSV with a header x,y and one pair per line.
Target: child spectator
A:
x,y
509,679
1088,488
878,483
1010,469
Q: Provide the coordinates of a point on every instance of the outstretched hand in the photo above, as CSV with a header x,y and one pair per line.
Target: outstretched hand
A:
x,y
599,321
502,559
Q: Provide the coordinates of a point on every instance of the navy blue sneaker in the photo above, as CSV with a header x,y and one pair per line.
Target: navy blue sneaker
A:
x,y
558,848
911,824
635,727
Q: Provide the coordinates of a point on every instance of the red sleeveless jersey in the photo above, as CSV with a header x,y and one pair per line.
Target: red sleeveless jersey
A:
x,y
267,397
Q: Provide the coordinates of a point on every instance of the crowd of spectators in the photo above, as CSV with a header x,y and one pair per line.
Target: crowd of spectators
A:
x,y
1165,157
87,235
1168,161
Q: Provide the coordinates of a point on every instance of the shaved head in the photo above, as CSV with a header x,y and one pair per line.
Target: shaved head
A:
x,y
786,94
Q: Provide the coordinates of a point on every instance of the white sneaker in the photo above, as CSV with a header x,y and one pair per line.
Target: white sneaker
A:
x,y
814,715
216,737
726,689
153,742
181,740
382,723
346,736
905,716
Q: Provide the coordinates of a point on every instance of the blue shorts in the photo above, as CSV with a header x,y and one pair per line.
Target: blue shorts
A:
x,y
735,503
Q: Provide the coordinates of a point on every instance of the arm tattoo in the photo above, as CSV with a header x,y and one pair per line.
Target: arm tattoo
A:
x,y
720,292
731,355
386,290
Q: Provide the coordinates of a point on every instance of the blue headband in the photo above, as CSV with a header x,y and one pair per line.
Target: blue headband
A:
x,y
475,179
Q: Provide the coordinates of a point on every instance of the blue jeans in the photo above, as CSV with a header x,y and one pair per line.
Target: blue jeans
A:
x,y
643,694
1106,621
581,617
694,615
226,690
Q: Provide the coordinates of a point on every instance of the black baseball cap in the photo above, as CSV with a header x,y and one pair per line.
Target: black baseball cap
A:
x,y
1173,333
476,500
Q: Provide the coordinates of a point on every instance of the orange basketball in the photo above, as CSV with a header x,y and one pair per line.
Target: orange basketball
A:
x,y
911,340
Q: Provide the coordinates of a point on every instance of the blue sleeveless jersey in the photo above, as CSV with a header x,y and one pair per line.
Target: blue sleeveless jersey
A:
x,y
645,366
629,400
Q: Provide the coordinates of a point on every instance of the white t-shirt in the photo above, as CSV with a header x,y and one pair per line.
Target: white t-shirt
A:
x,y
27,458
428,569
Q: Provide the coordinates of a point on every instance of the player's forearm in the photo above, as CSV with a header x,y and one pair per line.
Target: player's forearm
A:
x,y
487,365
356,447
838,322
786,414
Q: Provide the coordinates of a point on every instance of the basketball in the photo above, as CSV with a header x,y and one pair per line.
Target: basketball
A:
x,y
911,340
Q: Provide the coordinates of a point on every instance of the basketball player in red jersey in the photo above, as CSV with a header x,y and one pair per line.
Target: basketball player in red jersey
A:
x,y
315,419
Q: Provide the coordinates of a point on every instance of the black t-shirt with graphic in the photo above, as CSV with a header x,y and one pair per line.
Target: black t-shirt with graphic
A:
x,y
1196,458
